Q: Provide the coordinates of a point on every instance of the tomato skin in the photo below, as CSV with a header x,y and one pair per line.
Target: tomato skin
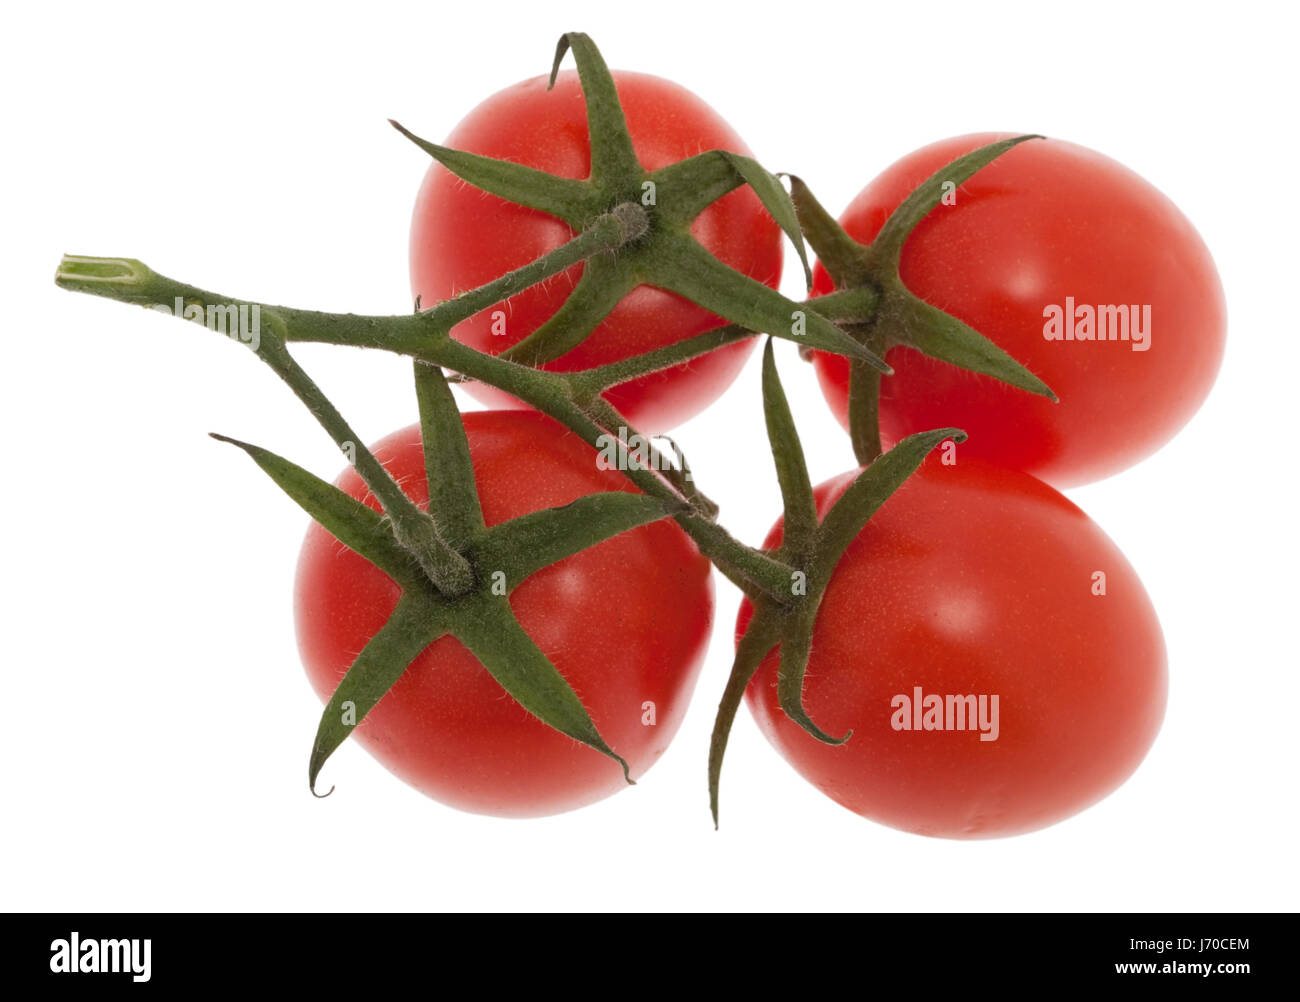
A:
x,y
1044,221
462,238
973,579
625,622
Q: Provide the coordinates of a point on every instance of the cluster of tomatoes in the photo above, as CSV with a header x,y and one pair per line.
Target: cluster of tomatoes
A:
x,y
976,585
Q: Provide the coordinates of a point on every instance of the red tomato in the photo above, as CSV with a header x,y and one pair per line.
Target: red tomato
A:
x,y
462,238
626,622
974,580
1046,221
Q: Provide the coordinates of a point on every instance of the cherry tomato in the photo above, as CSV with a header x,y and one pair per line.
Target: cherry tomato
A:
x,y
626,622
973,581
462,238
1048,226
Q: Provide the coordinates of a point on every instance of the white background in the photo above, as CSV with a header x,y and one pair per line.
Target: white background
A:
x,y
156,720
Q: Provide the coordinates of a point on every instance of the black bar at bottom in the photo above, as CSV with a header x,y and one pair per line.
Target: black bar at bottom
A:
x,y
598,953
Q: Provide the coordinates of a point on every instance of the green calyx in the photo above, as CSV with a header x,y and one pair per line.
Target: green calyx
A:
x,y
496,559
631,227
812,547
873,305
664,254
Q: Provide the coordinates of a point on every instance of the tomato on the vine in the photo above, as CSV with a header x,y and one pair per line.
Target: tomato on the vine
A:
x,y
1048,232
462,238
973,581
626,622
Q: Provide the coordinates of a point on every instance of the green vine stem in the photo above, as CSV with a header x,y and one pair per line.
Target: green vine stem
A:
x,y
571,398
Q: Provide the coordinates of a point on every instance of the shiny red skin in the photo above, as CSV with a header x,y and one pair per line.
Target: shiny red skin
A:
x,y
462,238
1045,221
625,622
974,579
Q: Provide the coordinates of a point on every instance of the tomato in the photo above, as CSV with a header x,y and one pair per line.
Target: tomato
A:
x,y
974,580
462,238
626,622
1046,221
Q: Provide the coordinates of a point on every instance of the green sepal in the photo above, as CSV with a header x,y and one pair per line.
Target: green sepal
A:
x,y
689,270
603,283
524,545
796,645
888,245
565,198
686,188
843,257
453,496
612,155
413,626
490,631
777,202
357,526
864,497
791,467
914,322
762,634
